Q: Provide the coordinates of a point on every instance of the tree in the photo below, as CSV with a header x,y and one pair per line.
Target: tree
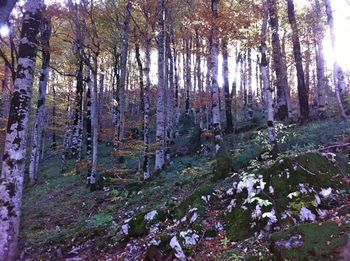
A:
x,y
12,174
265,79
146,97
160,89
279,63
320,63
302,90
40,112
228,100
122,81
214,72
338,75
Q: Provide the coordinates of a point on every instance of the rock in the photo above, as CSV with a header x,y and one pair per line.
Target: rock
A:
x,y
179,253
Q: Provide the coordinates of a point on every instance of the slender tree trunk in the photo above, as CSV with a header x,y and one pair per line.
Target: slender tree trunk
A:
x,y
123,72
188,75
250,87
208,99
279,64
40,112
338,75
302,91
265,79
214,73
177,96
100,102
91,178
170,93
146,100
199,79
225,75
89,84
13,165
160,89
66,144
320,63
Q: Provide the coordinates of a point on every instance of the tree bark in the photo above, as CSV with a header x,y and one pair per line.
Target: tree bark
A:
x,y
146,99
338,74
265,79
214,72
250,87
302,90
123,71
12,174
279,63
160,131
40,112
320,63
228,100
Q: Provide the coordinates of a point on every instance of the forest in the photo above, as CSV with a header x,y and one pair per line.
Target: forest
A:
x,y
175,130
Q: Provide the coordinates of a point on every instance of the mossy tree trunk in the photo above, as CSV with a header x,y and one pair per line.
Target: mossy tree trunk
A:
x,y
13,165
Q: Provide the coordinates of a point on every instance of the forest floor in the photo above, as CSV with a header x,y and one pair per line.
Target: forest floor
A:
x,y
293,207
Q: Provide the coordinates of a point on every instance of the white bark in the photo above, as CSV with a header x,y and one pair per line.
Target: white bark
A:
x,y
338,75
12,175
40,113
214,73
122,81
159,163
146,102
265,79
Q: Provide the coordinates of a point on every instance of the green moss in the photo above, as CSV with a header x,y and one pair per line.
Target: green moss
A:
x,y
223,163
237,224
138,225
197,227
194,200
320,242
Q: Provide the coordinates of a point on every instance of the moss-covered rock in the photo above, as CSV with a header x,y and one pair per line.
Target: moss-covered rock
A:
x,y
223,163
311,242
287,191
194,201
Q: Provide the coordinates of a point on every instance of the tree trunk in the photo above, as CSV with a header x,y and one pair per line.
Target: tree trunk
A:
x,y
320,64
199,80
208,99
302,91
228,100
170,90
338,75
66,144
159,163
279,64
40,112
100,102
91,178
188,75
146,99
123,70
13,165
250,87
177,96
265,79
214,72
